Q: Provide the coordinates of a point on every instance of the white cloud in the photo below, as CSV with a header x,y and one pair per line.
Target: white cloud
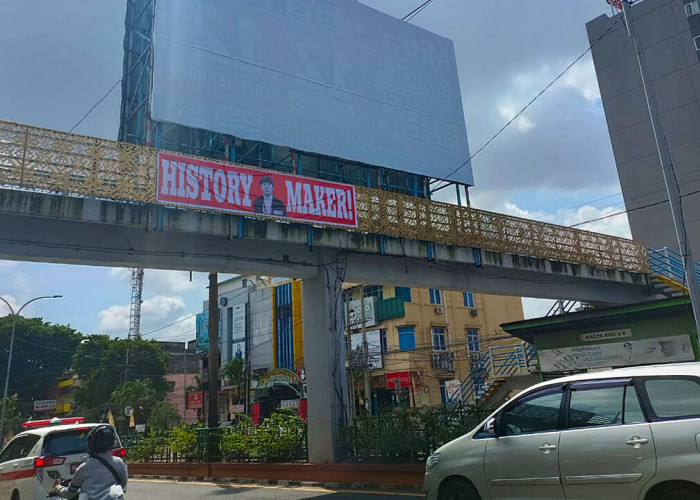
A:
x,y
581,77
155,312
522,123
14,304
120,273
163,281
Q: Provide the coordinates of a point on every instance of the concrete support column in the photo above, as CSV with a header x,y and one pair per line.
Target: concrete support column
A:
x,y
324,359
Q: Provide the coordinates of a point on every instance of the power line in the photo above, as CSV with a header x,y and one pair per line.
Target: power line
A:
x,y
519,113
408,17
95,105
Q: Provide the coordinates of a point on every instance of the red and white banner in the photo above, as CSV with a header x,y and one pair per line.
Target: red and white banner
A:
x,y
404,379
207,184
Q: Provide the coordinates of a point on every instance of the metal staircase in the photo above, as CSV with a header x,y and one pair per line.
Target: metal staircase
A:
x,y
490,368
668,274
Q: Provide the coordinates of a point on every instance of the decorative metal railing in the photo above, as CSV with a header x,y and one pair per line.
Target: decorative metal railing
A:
x,y
57,162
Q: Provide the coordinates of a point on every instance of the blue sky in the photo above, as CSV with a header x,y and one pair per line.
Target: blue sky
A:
x,y
554,163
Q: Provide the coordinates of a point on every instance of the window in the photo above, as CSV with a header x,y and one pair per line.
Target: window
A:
x,y
66,443
407,338
374,291
692,8
382,340
435,296
404,292
473,340
438,333
538,412
468,299
19,447
696,41
443,391
604,406
673,397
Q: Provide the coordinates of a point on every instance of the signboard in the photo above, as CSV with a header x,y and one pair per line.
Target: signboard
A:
x,y
238,408
374,349
333,77
628,353
45,405
289,403
202,330
452,390
238,350
195,400
404,379
280,376
301,373
202,183
606,335
140,427
355,313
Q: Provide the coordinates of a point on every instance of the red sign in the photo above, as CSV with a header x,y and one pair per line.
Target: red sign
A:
x,y
404,379
301,373
195,400
206,184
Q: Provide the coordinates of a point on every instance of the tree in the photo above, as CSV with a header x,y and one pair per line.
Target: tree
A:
x,y
235,372
164,416
139,395
101,363
42,351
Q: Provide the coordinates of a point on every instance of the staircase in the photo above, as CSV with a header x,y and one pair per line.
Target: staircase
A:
x,y
493,369
667,273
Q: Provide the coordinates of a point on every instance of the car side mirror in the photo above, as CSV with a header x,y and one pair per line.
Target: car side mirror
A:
x,y
490,426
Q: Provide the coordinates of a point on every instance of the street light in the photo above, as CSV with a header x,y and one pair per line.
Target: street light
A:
x,y
9,358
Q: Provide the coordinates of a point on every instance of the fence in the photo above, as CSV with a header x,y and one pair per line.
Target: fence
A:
x,y
56,162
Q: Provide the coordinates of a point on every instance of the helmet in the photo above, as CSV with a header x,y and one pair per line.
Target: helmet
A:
x,y
100,439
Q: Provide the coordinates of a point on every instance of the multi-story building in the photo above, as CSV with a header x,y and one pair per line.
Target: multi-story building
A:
x,y
183,370
669,32
425,338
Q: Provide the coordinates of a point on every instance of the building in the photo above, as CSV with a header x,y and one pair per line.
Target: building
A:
x,y
669,31
661,331
182,374
425,339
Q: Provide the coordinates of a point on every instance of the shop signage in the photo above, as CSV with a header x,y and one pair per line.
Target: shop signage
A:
x,y
202,183
238,408
452,389
612,354
289,403
195,400
45,405
606,335
279,376
404,379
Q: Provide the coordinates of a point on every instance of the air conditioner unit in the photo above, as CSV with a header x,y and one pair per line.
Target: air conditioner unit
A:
x,y
474,357
474,312
435,361
452,357
439,309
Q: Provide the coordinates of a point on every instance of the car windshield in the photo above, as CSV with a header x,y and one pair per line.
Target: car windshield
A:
x,y
71,442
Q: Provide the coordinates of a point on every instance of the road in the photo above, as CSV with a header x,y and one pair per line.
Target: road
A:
x,y
178,490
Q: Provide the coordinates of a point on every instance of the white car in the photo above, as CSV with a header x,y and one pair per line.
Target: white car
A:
x,y
43,454
625,434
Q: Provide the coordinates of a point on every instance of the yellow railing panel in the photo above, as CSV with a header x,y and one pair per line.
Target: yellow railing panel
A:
x,y
58,162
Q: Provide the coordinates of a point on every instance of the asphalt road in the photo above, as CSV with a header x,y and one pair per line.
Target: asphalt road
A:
x,y
148,489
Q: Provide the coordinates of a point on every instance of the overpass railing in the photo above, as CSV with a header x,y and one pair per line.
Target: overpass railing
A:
x,y
57,162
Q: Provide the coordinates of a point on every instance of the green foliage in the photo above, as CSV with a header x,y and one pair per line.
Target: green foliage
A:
x,y
235,372
183,441
409,434
101,363
153,446
41,352
13,417
280,438
140,395
164,416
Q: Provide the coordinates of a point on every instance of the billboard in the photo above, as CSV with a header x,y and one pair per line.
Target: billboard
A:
x,y
355,313
202,331
333,77
374,349
239,332
206,184
632,352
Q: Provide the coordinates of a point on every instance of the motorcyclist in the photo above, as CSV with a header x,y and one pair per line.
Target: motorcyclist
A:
x,y
103,476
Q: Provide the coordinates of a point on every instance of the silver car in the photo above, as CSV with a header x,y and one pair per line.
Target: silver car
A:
x,y
632,433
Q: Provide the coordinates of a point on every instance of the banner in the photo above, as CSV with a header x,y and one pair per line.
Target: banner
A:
x,y
404,379
195,400
629,353
45,405
452,390
233,188
202,333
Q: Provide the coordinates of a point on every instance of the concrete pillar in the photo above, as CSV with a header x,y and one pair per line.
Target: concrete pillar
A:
x,y
324,359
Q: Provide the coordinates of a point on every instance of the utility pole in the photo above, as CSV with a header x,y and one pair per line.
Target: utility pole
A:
x,y
213,330
672,188
348,332
365,354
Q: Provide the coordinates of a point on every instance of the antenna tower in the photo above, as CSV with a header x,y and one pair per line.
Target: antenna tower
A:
x,y
135,312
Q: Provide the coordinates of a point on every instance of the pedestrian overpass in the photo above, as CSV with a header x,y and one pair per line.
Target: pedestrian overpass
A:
x,y
68,198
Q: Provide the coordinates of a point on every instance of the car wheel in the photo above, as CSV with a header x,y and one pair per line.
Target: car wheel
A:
x,y
680,492
458,489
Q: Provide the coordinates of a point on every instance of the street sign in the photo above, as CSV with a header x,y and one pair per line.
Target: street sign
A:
x,y
45,405
127,411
